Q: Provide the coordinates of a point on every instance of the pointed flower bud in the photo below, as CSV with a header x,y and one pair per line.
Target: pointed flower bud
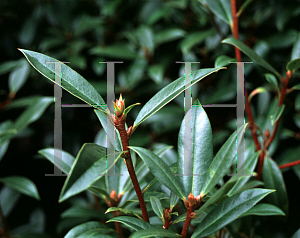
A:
x,y
119,106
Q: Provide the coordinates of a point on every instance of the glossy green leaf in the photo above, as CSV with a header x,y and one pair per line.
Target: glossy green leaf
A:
x,y
64,163
152,232
264,209
251,54
156,73
123,211
296,234
229,210
273,179
32,113
296,87
9,66
193,39
222,161
99,192
132,222
89,166
146,37
221,8
18,77
168,93
168,35
77,211
79,230
118,50
71,81
293,65
157,207
116,140
8,198
272,80
198,157
277,114
173,200
160,170
22,185
296,48
223,60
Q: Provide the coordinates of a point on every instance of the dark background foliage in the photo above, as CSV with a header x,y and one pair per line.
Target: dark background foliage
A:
x,y
86,32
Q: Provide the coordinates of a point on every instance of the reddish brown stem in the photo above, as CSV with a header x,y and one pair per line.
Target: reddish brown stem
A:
x,y
120,125
187,222
289,164
10,96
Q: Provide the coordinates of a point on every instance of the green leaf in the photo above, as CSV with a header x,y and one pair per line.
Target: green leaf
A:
x,y
168,93
8,197
273,179
64,163
132,222
193,39
18,77
173,200
89,166
71,81
122,210
32,113
198,156
296,87
118,50
222,161
293,65
157,207
9,66
22,185
168,35
251,54
151,232
156,73
272,80
223,60
229,210
78,231
146,37
77,211
296,234
264,209
160,170
277,114
116,140
222,9
296,48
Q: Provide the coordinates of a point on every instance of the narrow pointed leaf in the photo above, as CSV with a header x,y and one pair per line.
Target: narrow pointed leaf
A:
x,y
296,48
264,209
132,222
273,179
77,211
160,170
152,232
64,163
168,93
122,210
22,185
89,166
251,54
71,81
157,207
195,154
221,8
222,161
229,210
18,77
77,231
277,114
293,65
